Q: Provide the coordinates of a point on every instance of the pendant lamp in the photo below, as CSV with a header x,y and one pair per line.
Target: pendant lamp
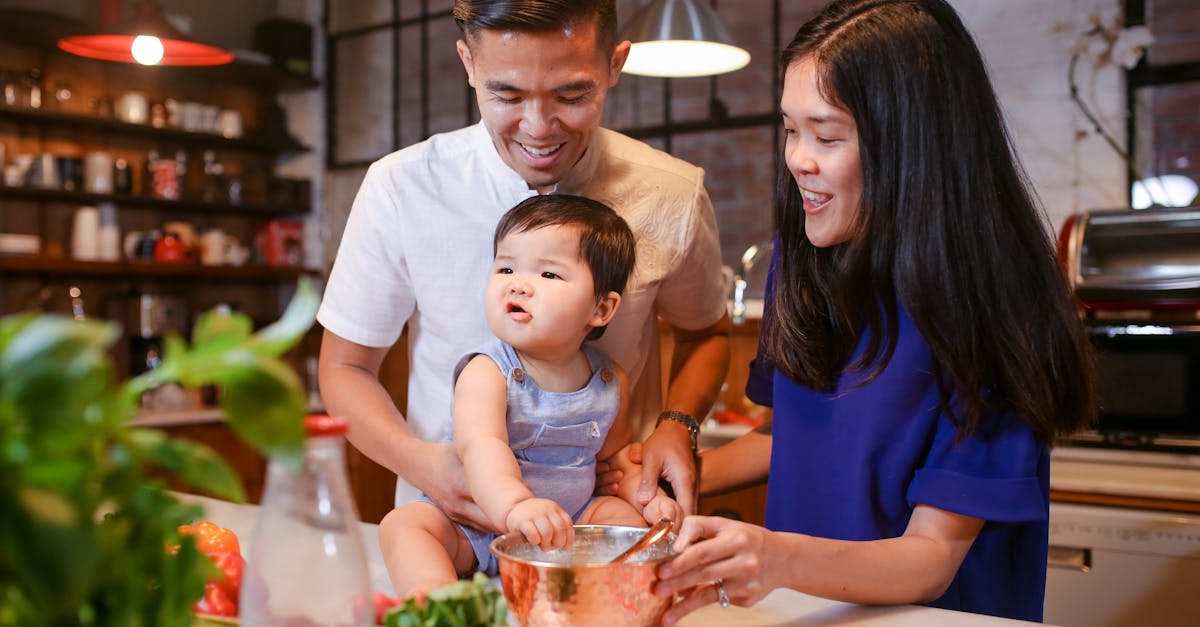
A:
x,y
146,38
678,38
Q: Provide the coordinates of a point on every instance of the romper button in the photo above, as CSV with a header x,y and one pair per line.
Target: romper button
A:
x,y
518,375
606,375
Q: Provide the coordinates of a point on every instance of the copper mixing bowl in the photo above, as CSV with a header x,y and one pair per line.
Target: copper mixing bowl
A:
x,y
577,586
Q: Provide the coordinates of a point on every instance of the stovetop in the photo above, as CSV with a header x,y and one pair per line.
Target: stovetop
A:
x,y
1144,474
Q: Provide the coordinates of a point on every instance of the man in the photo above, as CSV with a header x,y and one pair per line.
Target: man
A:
x,y
417,249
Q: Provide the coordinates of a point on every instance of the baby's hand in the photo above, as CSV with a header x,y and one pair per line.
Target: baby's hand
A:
x,y
662,506
543,523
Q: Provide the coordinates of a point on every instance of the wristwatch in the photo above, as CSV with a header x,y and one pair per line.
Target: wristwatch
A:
x,y
693,426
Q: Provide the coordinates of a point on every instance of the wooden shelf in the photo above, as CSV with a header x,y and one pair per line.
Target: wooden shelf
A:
x,y
126,200
38,265
60,119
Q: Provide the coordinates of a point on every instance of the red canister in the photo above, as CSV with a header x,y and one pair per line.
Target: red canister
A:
x,y
170,249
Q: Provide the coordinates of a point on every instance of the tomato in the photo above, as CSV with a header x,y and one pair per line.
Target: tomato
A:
x,y
383,603
216,602
212,538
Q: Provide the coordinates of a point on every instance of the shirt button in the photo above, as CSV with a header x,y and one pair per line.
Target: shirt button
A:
x,y
606,375
518,375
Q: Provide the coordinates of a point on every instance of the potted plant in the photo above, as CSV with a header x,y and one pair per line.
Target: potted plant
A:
x,y
85,513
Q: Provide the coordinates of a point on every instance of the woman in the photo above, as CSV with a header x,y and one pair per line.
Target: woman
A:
x,y
920,346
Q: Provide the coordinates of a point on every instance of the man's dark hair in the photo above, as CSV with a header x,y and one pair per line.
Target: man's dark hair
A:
x,y
538,16
606,244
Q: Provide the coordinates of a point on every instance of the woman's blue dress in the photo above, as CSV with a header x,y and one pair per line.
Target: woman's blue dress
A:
x,y
852,465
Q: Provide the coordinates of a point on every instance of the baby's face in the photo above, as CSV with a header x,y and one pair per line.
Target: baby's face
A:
x,y
540,296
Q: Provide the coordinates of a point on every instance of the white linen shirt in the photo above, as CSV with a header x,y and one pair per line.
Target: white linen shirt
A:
x,y
417,249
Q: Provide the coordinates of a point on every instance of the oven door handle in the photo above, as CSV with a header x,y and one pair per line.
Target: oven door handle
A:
x,y
1144,330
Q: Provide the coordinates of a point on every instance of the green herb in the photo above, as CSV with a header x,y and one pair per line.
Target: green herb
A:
x,y
474,603
83,525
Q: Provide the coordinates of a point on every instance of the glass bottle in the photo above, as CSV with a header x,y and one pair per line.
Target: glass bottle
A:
x,y
306,564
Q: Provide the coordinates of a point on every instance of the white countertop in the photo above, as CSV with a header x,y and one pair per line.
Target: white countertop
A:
x,y
781,607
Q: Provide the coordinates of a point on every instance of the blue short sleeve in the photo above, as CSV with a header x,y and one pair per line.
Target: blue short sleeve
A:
x,y
993,475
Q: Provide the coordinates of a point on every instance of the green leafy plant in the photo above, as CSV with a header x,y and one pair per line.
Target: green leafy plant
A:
x,y
84,515
464,603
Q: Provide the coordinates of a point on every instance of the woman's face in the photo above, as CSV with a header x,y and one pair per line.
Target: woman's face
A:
x,y
821,151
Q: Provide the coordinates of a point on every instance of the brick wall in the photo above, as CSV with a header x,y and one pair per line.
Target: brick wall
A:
x,y
1026,44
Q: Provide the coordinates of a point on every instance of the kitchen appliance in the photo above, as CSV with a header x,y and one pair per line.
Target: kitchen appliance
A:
x,y
147,319
1137,276
1118,567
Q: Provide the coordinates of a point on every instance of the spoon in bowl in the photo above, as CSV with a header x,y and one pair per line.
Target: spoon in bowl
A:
x,y
652,535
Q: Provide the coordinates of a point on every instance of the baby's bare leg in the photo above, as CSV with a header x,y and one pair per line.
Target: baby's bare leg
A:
x,y
423,549
610,510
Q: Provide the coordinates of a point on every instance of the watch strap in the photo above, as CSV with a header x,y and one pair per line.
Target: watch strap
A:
x,y
687,420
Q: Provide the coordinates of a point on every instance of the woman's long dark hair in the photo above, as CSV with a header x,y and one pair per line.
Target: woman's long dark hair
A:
x,y
948,228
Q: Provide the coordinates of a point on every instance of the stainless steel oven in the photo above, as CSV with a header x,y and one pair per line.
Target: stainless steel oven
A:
x,y
1148,380
1137,276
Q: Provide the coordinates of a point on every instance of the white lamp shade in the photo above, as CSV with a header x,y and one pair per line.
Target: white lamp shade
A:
x,y
678,38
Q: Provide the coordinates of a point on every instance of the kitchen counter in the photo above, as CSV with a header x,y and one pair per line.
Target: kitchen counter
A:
x,y
781,607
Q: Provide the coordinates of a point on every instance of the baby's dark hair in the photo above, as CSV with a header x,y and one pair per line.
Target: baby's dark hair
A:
x,y
606,244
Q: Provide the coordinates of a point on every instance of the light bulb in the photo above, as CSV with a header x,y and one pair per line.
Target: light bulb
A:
x,y
147,49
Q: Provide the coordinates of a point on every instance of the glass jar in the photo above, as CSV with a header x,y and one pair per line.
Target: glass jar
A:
x,y
306,564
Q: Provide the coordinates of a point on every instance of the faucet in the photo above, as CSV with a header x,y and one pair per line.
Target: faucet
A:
x,y
749,258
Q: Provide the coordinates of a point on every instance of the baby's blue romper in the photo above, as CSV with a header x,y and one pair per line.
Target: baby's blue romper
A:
x,y
554,435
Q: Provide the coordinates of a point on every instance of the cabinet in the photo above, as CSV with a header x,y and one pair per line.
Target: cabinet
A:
x,y
79,114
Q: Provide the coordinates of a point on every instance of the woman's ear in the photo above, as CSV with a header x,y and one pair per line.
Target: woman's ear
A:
x,y
606,308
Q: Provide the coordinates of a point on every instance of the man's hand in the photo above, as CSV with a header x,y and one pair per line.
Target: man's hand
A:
x,y
443,481
667,453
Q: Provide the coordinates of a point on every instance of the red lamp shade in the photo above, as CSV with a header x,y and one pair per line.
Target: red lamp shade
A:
x,y
147,28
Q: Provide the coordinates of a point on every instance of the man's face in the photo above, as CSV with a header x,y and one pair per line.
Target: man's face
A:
x,y
541,95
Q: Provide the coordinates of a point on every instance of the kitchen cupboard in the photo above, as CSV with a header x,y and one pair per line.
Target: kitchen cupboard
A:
x,y
224,179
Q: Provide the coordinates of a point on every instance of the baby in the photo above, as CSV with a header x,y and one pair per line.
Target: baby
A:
x,y
535,408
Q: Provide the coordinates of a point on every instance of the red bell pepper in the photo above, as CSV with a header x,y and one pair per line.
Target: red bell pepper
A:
x,y
211,537
220,546
231,566
215,602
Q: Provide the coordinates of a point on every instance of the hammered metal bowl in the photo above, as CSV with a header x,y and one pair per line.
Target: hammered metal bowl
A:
x,y
577,586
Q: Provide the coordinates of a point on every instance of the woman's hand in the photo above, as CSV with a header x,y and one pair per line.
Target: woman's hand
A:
x,y
742,556
543,522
